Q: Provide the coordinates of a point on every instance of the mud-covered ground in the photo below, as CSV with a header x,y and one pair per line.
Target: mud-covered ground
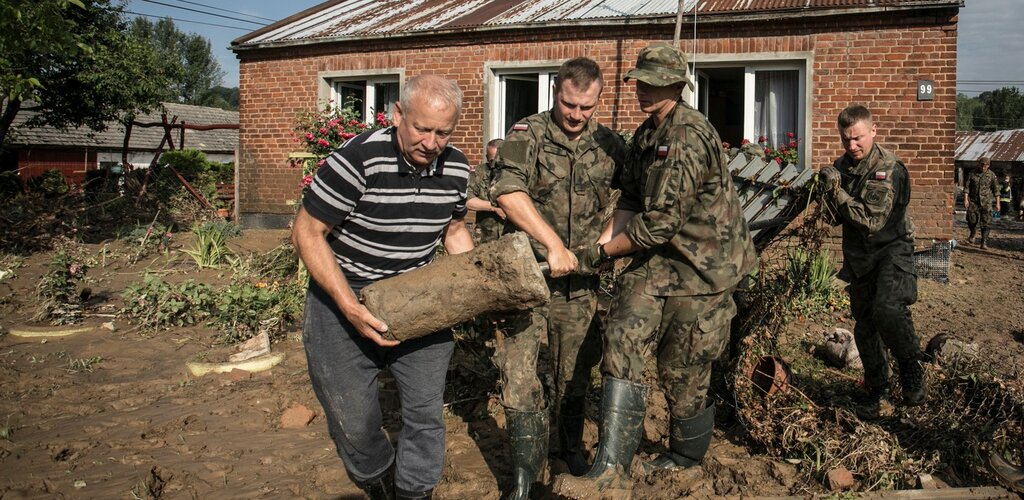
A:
x,y
139,425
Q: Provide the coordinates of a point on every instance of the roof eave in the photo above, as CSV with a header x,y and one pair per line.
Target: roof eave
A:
x,y
713,18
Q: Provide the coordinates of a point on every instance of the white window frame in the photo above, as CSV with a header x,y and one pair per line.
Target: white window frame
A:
x,y
751,64
328,82
494,113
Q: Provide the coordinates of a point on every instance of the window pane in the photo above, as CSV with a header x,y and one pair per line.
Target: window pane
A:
x,y
520,98
385,95
775,105
352,94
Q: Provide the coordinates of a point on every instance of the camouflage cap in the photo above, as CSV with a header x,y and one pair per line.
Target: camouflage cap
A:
x,y
661,65
985,160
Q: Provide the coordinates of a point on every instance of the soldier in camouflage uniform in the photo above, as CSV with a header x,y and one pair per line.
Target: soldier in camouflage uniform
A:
x,y
982,191
553,179
490,220
867,190
680,218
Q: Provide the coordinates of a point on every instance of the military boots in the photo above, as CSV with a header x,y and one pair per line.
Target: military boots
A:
x,y
984,237
912,379
970,237
623,405
870,405
380,488
1008,474
528,434
688,442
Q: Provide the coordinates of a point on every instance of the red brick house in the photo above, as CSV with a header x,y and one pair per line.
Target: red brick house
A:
x,y
763,68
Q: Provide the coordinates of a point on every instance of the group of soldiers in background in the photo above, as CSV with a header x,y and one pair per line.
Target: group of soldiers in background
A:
x,y
983,192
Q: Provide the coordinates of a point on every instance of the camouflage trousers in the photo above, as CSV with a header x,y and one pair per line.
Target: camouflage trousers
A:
x,y
488,227
976,216
684,334
879,302
575,351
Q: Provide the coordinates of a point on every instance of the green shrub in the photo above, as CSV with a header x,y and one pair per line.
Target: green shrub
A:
x,y
60,303
246,309
156,304
50,184
210,248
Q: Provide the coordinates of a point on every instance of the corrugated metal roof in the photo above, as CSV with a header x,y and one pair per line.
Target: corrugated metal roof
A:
x,y
341,19
143,138
1001,146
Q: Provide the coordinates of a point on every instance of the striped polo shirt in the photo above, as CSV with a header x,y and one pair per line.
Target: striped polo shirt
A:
x,y
386,217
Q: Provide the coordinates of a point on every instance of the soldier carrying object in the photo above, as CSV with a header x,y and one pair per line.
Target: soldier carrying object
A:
x,y
867,190
553,181
680,218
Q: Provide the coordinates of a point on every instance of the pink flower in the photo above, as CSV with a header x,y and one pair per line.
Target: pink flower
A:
x,y
745,141
323,130
347,135
353,122
307,180
725,145
323,142
778,160
321,162
790,135
767,151
792,144
362,126
762,139
309,136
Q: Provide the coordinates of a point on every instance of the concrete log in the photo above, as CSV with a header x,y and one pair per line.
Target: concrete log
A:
x,y
500,276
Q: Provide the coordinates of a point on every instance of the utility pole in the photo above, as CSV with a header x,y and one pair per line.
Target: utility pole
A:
x,y
679,22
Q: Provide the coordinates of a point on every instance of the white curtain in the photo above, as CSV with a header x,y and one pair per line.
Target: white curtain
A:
x,y
775,106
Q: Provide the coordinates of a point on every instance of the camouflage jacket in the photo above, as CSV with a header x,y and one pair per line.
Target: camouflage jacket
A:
x,y
872,206
982,188
569,182
689,219
489,224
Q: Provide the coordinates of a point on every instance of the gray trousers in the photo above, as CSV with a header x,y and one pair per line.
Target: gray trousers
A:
x,y
344,366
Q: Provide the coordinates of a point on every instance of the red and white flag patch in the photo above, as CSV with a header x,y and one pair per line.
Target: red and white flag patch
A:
x,y
662,151
880,175
520,127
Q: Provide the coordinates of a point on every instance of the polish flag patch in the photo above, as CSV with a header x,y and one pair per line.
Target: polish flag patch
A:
x,y
662,151
520,126
880,176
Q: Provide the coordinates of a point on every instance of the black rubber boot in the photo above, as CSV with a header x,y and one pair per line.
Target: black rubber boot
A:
x,y
688,442
984,237
912,380
623,405
380,488
870,405
405,495
528,434
570,441
1008,474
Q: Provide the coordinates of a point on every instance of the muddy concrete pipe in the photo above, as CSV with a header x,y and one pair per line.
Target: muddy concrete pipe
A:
x,y
499,276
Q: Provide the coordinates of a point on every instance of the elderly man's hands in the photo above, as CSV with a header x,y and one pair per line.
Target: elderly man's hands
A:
x,y
368,325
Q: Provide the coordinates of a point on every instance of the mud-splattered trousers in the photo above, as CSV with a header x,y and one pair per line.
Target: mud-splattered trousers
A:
x,y
982,191
574,346
685,334
344,368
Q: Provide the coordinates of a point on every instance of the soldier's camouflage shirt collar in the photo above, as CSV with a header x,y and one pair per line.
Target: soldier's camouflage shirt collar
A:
x,y
866,164
651,134
584,142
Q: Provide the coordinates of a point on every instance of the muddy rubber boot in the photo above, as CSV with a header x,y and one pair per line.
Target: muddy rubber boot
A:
x,y
688,442
570,442
623,405
870,405
1009,475
405,495
984,237
528,434
380,488
912,380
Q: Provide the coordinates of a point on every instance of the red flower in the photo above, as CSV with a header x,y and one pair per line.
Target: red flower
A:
x,y
761,139
725,145
307,180
323,130
323,142
309,136
347,135
792,144
745,141
790,135
778,160
767,151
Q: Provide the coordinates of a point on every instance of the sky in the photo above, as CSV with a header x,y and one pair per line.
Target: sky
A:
x,y
990,38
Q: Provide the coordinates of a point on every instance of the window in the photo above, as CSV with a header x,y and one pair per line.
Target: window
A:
x,y
370,95
753,100
519,93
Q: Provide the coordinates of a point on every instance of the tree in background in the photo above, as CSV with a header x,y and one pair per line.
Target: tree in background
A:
x,y
220,97
72,62
186,58
1001,109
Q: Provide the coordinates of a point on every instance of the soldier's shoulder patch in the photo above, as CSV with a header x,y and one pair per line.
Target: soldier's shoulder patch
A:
x,y
521,126
880,175
662,151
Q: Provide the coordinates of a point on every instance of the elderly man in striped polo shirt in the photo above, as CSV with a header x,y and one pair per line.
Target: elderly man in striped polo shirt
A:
x,y
378,207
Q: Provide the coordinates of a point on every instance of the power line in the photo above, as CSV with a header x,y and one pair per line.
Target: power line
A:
x,y
226,10
179,20
202,12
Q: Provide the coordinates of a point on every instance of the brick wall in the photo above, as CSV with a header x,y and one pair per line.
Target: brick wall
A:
x,y
872,59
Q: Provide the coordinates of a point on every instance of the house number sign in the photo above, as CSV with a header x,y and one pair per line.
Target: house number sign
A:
x,y
925,90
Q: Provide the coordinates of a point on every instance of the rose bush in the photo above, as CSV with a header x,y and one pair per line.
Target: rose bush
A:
x,y
321,132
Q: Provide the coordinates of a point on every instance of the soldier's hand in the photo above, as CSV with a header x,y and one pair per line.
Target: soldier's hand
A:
x,y
830,179
590,259
561,262
499,212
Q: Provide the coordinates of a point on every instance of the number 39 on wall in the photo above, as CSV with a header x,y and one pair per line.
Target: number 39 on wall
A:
x,y
925,90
